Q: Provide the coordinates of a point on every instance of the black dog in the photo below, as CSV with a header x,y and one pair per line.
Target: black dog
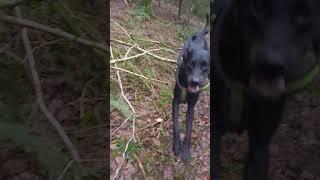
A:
x,y
192,72
259,47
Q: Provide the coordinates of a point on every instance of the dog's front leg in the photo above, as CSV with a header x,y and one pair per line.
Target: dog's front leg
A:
x,y
264,119
192,100
175,117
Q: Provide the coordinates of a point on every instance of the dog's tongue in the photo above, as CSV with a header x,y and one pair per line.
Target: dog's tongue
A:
x,y
267,88
193,89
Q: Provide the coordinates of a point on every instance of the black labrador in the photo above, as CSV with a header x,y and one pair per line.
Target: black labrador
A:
x,y
258,48
192,71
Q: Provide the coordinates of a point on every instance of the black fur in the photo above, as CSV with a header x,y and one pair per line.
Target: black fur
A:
x,y
193,71
259,43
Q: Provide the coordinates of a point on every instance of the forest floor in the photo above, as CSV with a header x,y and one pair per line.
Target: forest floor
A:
x,y
152,149
73,81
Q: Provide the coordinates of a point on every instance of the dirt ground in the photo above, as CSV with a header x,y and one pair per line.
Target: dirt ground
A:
x,y
294,151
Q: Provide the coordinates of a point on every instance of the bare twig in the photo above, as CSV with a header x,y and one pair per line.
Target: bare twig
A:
x,y
127,53
139,75
122,29
54,31
133,118
65,169
132,57
120,42
156,56
121,125
39,94
140,49
140,165
125,1
9,3
120,85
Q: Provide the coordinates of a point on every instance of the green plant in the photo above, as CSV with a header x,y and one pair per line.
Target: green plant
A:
x,y
165,96
132,147
119,104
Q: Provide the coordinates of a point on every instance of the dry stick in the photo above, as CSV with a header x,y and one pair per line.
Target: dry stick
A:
x,y
123,30
133,119
140,49
156,56
127,53
9,3
39,94
121,125
153,55
140,165
139,75
65,170
54,31
132,57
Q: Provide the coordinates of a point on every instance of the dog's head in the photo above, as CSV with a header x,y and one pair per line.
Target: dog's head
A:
x,y
276,34
196,64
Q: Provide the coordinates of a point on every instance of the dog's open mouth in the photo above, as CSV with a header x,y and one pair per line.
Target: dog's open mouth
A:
x,y
267,88
193,88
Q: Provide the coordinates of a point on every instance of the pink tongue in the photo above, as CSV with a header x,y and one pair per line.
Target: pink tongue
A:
x,y
267,88
193,89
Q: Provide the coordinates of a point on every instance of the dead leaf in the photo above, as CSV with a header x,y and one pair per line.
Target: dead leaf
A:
x,y
159,120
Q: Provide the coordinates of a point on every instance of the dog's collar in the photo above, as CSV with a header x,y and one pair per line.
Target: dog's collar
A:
x,y
203,87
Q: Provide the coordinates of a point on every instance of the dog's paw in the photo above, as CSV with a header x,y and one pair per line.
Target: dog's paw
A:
x,y
176,149
185,154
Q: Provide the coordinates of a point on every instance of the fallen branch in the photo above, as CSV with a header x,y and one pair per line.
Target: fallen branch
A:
x,y
121,125
139,75
140,165
145,51
65,170
156,56
127,53
122,29
38,89
9,3
132,57
133,118
120,42
54,31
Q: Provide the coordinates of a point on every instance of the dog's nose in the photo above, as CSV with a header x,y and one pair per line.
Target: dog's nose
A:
x,y
195,80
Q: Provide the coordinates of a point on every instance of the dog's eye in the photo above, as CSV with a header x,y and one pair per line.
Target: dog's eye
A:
x,y
203,64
